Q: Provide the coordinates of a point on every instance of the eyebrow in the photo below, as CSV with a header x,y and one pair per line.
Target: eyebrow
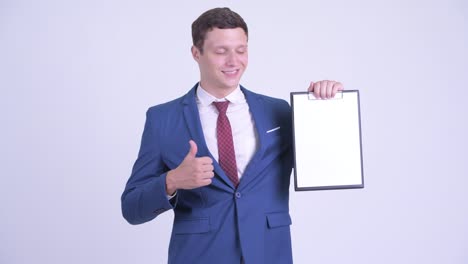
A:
x,y
226,47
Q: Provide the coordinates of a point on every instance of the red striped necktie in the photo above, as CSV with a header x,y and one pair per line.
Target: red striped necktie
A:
x,y
227,155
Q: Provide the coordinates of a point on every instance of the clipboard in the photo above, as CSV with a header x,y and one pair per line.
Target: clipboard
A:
x,y
327,141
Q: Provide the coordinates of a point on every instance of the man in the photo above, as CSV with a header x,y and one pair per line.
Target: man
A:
x,y
225,174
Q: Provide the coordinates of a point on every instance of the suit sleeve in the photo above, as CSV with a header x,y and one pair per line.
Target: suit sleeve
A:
x,y
145,196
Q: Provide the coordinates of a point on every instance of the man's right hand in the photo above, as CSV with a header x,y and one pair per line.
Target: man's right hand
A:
x,y
192,173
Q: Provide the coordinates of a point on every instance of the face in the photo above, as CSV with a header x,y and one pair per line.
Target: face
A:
x,y
223,61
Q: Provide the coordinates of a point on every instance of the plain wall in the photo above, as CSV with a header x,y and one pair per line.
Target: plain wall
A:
x,y
76,78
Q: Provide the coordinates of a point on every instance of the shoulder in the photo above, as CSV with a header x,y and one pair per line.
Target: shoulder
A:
x,y
268,100
270,108
174,106
167,107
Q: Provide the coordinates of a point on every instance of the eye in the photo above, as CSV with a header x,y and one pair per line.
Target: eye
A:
x,y
242,50
220,51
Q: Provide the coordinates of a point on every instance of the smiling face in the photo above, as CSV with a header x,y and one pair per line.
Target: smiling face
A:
x,y
223,60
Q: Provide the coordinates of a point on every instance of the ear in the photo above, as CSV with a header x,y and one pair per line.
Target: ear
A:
x,y
195,53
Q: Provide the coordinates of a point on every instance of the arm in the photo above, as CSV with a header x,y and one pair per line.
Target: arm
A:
x,y
151,183
145,195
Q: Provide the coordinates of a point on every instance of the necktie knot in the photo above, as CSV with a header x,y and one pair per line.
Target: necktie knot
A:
x,y
222,106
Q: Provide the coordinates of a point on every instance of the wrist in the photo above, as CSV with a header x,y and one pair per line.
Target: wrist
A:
x,y
170,185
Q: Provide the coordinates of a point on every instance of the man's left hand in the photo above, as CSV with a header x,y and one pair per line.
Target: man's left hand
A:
x,y
325,89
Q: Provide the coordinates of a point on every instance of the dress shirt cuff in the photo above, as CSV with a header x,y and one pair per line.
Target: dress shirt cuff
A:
x,y
169,197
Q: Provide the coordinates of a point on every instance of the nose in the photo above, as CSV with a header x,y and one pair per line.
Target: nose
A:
x,y
232,59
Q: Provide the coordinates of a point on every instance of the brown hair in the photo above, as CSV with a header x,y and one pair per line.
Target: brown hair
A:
x,y
221,17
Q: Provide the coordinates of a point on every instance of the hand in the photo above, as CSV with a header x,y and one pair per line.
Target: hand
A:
x,y
325,89
192,173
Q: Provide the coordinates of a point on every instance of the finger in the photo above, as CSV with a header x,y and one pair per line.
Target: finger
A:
x,y
317,90
208,168
204,175
205,182
337,87
323,89
311,87
193,149
205,160
329,91
209,175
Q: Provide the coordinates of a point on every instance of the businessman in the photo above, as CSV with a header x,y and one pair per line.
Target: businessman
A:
x,y
220,156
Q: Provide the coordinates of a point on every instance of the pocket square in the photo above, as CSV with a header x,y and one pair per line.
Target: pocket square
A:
x,y
274,129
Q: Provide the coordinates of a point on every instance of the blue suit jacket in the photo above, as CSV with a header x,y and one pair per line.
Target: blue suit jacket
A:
x,y
217,223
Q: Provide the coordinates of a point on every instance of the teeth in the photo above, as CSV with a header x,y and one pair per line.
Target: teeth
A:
x,y
229,71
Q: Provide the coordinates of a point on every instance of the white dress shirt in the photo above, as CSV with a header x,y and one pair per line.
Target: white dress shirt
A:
x,y
244,134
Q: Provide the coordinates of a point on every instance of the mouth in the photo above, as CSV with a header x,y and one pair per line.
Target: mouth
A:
x,y
230,72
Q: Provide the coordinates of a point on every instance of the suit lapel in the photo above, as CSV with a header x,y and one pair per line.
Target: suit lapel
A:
x,y
256,107
192,118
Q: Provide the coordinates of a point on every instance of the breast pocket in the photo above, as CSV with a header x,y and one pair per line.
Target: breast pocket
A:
x,y
274,140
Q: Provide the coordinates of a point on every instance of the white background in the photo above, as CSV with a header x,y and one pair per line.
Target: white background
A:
x,y
76,78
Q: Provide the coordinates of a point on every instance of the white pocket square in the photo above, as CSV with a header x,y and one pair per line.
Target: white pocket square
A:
x,y
274,129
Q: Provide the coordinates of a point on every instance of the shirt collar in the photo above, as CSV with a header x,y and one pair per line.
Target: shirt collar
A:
x,y
205,98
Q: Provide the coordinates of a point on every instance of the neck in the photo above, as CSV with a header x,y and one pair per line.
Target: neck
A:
x,y
217,91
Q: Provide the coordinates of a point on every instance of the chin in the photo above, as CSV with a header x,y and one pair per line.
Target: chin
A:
x,y
231,85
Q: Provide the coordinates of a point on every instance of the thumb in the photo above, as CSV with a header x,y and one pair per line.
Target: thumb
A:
x,y
193,150
311,87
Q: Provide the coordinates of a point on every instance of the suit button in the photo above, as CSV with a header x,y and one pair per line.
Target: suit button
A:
x,y
238,195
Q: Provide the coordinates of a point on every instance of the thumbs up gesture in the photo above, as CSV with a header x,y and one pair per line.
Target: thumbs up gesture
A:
x,y
192,173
